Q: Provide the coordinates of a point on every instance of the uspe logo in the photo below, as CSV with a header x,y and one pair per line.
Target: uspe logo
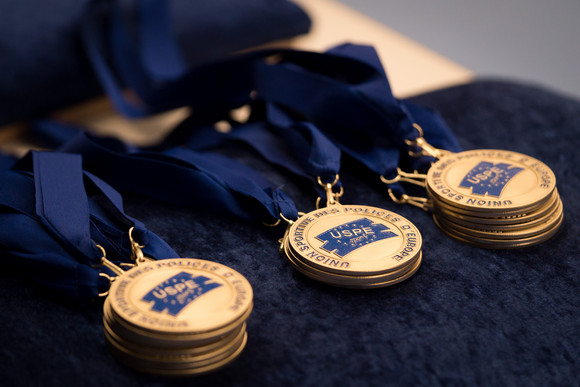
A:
x,y
489,178
347,237
177,292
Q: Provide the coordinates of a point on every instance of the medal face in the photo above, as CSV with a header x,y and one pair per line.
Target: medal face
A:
x,y
181,296
354,240
490,180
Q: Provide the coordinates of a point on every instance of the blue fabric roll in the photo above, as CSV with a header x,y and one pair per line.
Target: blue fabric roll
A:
x,y
43,65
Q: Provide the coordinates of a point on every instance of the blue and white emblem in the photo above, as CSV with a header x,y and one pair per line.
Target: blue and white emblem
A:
x,y
489,178
347,237
177,292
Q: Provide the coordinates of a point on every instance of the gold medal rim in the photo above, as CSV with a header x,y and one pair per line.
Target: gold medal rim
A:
x,y
549,223
225,320
158,348
193,370
329,280
512,222
179,358
501,244
167,339
352,280
491,212
358,267
511,231
521,202
398,280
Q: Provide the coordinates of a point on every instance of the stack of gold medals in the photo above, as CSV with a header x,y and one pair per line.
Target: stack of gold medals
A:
x,y
177,316
353,246
493,199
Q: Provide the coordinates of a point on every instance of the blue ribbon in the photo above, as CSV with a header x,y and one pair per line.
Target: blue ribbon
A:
x,y
340,91
52,217
343,93
296,146
184,177
346,94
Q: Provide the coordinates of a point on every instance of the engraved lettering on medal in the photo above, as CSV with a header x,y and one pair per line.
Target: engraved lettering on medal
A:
x,y
177,292
489,203
298,235
328,261
409,247
348,237
487,178
241,295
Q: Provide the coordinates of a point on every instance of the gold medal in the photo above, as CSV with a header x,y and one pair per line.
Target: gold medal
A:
x,y
354,246
494,198
487,198
176,316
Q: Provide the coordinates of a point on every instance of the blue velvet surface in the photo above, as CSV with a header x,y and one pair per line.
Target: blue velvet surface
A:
x,y
468,317
43,65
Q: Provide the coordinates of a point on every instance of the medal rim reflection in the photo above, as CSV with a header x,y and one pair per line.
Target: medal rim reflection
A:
x,y
547,223
491,212
168,346
187,371
126,329
507,223
177,360
357,282
354,278
496,244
